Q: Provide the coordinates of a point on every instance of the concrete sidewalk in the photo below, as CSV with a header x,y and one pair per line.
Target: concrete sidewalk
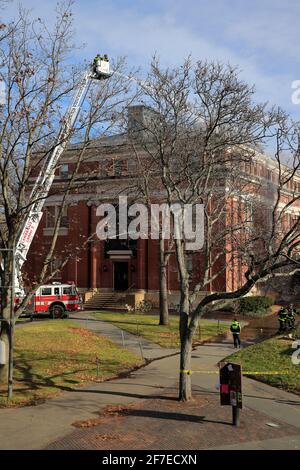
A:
x,y
136,344
36,427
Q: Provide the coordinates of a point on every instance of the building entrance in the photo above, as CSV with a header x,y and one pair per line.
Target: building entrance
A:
x,y
120,275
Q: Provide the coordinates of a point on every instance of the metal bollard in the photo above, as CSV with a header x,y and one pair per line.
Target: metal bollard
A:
x,y
235,416
97,363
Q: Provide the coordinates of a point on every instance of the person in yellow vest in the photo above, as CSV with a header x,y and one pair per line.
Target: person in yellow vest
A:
x,y
235,329
96,61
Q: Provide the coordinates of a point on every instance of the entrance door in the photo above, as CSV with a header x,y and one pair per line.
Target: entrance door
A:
x,y
120,275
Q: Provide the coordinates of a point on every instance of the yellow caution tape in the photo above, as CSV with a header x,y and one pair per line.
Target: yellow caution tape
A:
x,y
190,372
266,372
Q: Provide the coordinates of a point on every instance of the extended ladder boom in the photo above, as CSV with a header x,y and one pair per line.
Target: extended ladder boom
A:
x,y
40,191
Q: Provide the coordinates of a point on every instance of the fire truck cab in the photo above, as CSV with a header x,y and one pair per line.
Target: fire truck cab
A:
x,y
56,300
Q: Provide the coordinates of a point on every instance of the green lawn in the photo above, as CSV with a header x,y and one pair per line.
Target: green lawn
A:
x,y
166,336
57,355
274,354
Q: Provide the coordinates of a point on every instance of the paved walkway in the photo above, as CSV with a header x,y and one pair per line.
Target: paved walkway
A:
x,y
50,425
134,343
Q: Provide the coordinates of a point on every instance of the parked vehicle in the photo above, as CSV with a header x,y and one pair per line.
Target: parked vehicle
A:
x,y
56,300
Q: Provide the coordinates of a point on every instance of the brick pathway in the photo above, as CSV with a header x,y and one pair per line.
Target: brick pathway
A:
x,y
164,423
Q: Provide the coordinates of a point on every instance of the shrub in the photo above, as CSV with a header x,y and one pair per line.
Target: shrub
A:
x,y
256,305
129,308
142,307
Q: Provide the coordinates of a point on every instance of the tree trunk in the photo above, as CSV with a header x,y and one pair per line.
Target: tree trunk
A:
x,y
163,289
185,383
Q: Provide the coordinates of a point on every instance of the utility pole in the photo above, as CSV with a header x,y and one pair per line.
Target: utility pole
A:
x,y
11,330
10,322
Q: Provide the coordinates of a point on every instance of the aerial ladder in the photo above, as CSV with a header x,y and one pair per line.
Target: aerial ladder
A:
x,y
100,70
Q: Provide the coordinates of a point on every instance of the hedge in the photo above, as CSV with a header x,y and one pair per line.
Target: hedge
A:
x,y
256,304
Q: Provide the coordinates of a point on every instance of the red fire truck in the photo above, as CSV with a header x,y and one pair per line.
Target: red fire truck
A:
x,y
56,300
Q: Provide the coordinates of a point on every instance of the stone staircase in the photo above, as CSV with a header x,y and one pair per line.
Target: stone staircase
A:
x,y
106,301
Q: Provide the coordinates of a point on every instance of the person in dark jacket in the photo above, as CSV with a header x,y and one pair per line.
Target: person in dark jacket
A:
x,y
282,318
97,61
290,316
235,329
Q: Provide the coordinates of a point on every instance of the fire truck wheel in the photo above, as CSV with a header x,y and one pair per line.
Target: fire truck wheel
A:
x,y
57,311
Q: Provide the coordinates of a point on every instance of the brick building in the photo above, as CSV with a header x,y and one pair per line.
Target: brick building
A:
x,y
129,266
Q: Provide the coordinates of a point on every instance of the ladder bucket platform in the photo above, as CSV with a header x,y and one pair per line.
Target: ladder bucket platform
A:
x,y
101,70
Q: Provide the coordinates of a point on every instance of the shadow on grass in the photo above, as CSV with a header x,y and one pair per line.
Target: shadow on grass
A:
x,y
288,352
35,381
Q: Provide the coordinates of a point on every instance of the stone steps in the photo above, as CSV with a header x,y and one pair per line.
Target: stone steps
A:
x,y
106,301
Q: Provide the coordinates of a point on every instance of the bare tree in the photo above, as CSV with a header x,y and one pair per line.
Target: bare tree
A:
x,y
204,136
38,84
146,187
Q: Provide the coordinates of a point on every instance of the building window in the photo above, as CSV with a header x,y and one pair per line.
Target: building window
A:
x,y
118,168
124,168
189,268
50,216
64,218
55,268
64,171
249,215
189,265
131,166
111,168
52,212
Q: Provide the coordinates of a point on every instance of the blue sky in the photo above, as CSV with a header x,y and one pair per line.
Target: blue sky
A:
x,y
261,37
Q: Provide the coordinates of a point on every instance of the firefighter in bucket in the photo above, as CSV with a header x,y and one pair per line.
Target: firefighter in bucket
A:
x,y
101,66
97,61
